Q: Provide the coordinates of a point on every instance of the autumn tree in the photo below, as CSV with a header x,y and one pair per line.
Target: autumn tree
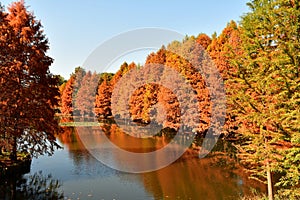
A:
x,y
118,101
78,74
204,40
85,98
67,97
142,100
224,47
187,58
78,78
28,90
103,98
222,50
70,90
267,102
118,75
5,38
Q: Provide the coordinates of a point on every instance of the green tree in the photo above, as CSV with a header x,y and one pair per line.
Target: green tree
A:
x,y
61,80
28,90
267,101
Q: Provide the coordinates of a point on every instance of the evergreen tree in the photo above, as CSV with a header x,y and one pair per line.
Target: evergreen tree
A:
x,y
267,101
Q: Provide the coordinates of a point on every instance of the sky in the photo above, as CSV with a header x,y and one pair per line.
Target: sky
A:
x,y
75,28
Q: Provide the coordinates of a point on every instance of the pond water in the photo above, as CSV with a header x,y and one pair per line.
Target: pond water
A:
x,y
73,173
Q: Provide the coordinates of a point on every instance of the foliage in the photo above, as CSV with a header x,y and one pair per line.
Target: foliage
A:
x,y
103,99
34,187
267,100
27,111
66,97
85,98
222,50
204,40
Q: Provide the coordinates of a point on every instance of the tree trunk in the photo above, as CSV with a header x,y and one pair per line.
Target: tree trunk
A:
x,y
13,155
269,179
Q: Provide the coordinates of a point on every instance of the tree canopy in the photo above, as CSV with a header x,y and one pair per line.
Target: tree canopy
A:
x,y
27,111
267,99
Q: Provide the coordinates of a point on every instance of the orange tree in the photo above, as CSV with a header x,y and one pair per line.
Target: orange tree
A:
x,y
28,91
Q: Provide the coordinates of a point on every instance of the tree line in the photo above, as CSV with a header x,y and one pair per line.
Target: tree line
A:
x,y
258,59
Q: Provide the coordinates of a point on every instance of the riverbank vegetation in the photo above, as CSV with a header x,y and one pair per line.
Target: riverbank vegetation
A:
x,y
258,60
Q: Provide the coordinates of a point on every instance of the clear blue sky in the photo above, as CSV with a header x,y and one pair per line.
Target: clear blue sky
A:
x,y
75,28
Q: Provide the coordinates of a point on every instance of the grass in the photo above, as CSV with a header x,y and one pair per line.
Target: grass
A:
x,y
75,124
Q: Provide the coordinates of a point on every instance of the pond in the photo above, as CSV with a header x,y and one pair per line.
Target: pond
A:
x,y
73,173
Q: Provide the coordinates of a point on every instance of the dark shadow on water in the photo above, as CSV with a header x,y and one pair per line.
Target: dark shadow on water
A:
x,y
33,187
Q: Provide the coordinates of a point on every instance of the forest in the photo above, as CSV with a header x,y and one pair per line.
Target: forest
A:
x,y
258,60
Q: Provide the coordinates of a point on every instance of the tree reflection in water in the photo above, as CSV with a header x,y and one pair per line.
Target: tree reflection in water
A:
x,y
33,187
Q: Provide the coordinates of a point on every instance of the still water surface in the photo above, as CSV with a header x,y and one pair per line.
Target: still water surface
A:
x,y
81,176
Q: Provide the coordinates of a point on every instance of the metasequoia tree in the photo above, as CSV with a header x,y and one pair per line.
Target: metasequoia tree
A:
x,y
267,100
85,98
103,99
67,97
28,90
204,40
222,50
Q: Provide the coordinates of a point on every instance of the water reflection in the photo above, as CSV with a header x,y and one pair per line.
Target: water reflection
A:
x,y
32,187
77,151
81,176
214,177
195,179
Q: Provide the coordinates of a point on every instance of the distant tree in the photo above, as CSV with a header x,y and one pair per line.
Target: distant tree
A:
x,y
61,80
62,88
224,47
67,97
182,57
28,91
123,70
85,98
222,50
204,40
143,99
118,101
68,91
103,99
105,76
267,100
78,75
157,58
